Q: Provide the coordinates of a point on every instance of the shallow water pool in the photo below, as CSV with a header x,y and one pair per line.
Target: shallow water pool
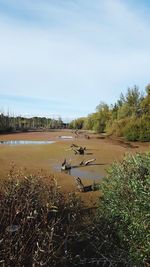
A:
x,y
25,142
66,137
84,172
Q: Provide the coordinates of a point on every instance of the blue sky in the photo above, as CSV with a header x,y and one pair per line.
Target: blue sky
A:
x,y
62,57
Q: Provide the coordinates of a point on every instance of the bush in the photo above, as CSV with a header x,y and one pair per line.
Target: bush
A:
x,y
125,205
37,222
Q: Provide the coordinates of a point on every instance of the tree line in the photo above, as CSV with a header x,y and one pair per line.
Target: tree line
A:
x,y
129,117
10,123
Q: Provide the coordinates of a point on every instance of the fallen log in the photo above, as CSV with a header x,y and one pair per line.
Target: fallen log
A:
x,y
83,188
65,165
64,162
81,163
80,150
85,163
74,145
89,161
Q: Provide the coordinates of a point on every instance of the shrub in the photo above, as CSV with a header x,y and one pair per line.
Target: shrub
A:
x,y
37,222
39,226
125,205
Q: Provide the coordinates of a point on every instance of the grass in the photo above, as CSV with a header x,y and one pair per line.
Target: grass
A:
x,y
35,221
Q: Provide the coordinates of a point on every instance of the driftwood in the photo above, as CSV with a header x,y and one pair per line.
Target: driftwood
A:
x,y
87,188
79,184
85,163
74,145
65,165
80,150
64,162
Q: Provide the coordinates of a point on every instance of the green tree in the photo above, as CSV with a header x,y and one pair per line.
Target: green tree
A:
x,y
145,104
77,124
102,117
89,122
130,103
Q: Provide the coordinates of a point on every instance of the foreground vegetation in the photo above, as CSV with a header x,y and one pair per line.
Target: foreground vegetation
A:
x,y
128,117
125,205
41,226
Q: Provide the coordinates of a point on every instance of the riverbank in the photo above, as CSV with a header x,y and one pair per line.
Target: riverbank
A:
x,y
47,158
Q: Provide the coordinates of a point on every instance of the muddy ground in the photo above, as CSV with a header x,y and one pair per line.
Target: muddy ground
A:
x,y
47,158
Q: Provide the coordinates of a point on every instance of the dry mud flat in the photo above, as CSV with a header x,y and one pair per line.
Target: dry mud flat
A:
x,y
33,158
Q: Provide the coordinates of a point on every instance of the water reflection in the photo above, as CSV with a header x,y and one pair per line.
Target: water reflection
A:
x,y
79,172
66,137
25,142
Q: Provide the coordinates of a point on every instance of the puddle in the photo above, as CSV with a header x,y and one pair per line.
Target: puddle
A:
x,y
78,172
66,137
25,142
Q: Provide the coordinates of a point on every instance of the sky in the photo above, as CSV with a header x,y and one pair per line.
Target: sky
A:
x,y
61,58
